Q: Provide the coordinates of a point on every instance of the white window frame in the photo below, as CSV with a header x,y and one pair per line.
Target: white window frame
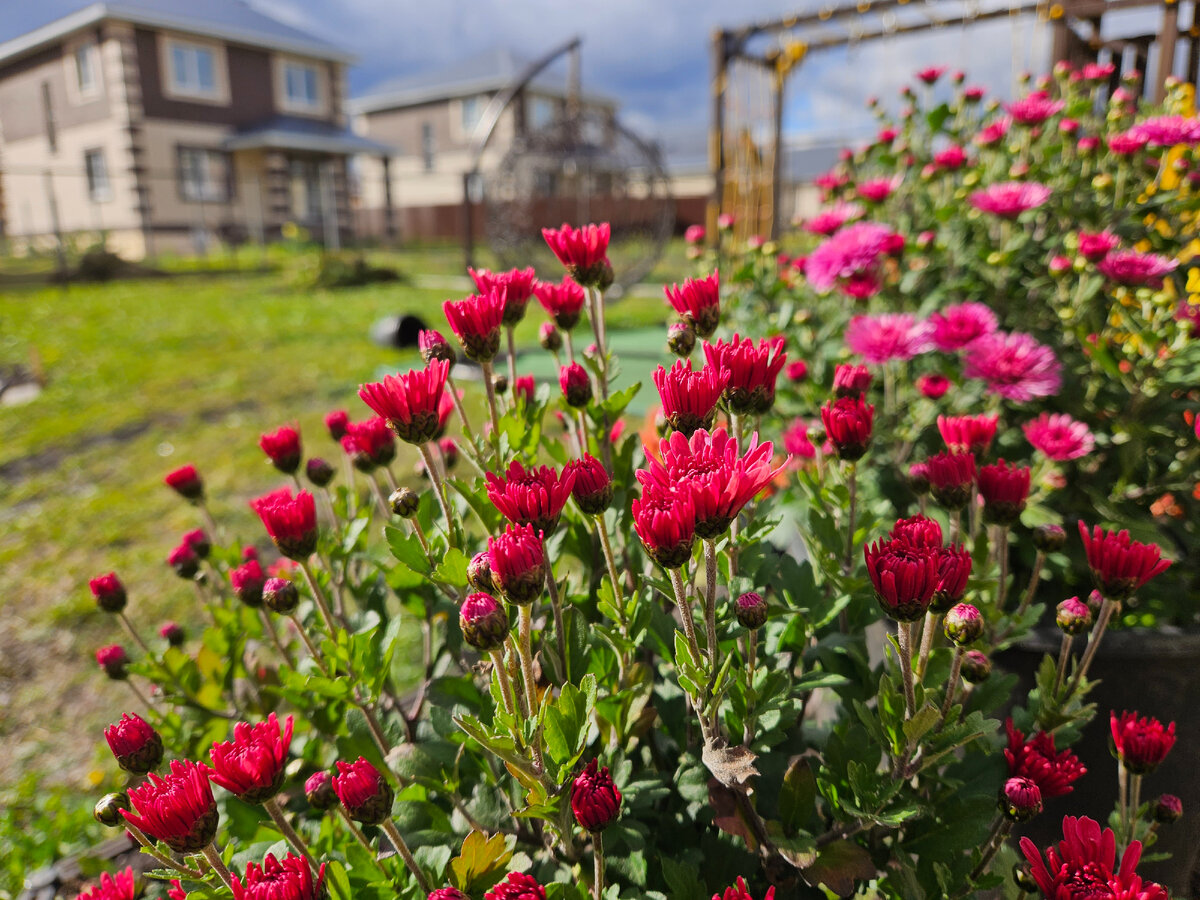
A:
x,y
190,87
549,104
477,101
206,189
77,91
301,106
99,188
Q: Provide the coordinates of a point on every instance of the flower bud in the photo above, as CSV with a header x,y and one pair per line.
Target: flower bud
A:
x,y
447,893
172,633
1020,799
549,337
1073,616
681,339
109,592
318,789
595,799
500,385
404,502
751,610
963,624
319,471
184,561
1023,878
1095,601
449,449
1049,538
363,791
138,748
280,596
113,660
518,564
918,478
108,810
479,573
1168,809
483,622
576,385
247,581
1059,265
433,346
199,542
851,381
592,487
187,483
976,667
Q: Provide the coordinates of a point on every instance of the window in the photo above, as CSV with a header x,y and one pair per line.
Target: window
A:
x,y
192,70
87,69
302,86
99,189
48,117
472,111
203,174
542,111
428,147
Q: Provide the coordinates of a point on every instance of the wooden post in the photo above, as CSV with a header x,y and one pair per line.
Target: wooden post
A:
x,y
779,79
254,209
389,213
716,135
60,252
468,225
1166,50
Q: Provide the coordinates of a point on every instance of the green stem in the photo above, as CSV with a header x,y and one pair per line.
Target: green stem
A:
x,y
490,390
927,637
160,858
751,664
512,358
458,408
1106,611
361,838
852,480
904,640
560,634
214,860
289,833
710,604
1064,654
598,854
318,597
952,685
1002,551
393,833
525,651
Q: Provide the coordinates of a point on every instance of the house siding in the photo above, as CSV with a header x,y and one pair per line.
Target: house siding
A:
x,y
21,110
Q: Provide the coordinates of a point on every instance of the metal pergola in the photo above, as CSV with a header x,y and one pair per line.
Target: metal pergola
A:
x,y
1076,36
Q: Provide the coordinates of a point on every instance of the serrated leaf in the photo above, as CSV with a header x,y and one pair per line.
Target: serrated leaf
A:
x,y
923,720
480,864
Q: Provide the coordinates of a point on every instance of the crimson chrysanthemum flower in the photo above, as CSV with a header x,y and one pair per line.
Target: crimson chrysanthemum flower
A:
x,y
432,346
957,326
533,496
848,422
475,321
108,591
1081,868
1059,436
851,260
364,792
282,447
1009,199
689,399
515,286
876,190
665,522
993,133
122,886
904,577
290,521
483,622
177,809
595,799
1140,743
247,581
563,301
288,879
1095,245
933,385
583,251
138,748
186,482
739,891
410,402
851,381
828,221
1054,771
1119,564
797,442
593,487
1126,143
963,434
753,370
1015,366
887,336
517,886
113,659
1128,267
917,531
954,568
953,157
697,302
369,444
930,74
1034,108
518,563
576,385
707,468
950,478
336,422
184,560
251,765
1004,488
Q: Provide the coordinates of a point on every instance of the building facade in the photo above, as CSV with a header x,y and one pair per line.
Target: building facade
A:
x,y
163,126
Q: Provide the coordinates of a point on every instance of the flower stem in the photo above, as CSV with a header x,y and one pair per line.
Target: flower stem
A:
x,y
269,627
751,663
514,669
356,832
506,689
137,638
1093,644
611,563
952,684
214,860
310,646
1135,802
439,487
598,854
289,833
161,858
1002,552
852,481
318,597
560,633
1123,801
512,357
1034,578
525,651
1064,654
458,408
685,610
904,641
393,833
1000,831
142,697
710,603
927,636
491,402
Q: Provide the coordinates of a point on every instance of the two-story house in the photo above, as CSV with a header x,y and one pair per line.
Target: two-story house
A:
x,y
429,119
164,123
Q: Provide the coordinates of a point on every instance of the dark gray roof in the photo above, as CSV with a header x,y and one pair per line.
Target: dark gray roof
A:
x,y
25,27
491,70
291,133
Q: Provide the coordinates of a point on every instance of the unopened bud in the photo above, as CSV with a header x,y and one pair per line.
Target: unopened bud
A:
x,y
479,573
318,789
404,502
1073,616
549,337
108,810
500,385
963,624
1020,799
681,339
281,596
483,622
976,667
319,471
1049,538
1168,809
751,610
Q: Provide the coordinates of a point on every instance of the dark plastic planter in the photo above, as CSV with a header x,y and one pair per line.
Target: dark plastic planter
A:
x,y
1157,673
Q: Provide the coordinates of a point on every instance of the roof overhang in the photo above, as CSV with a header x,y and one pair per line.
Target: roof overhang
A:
x,y
99,12
342,143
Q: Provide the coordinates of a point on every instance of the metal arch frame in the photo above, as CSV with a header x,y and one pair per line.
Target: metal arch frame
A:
x,y
490,118
729,44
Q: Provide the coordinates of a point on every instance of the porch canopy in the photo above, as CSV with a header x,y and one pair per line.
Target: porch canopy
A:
x,y
305,135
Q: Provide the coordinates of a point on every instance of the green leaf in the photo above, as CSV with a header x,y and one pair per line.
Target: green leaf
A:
x,y
683,882
798,795
407,548
452,569
480,864
923,720
839,865
567,721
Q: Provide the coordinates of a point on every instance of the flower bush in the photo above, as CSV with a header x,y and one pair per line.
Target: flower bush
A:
x,y
688,662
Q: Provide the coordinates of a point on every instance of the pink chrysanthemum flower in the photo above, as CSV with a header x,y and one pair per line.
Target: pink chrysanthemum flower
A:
x,y
1126,143
876,190
827,221
797,442
1034,109
851,260
888,336
1015,366
1059,436
1095,245
752,367
993,133
410,403
563,301
1009,199
953,157
968,434
957,326
1167,131
1128,267
515,286
665,522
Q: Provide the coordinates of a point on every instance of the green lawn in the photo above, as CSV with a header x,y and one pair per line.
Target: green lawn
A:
x,y
143,377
